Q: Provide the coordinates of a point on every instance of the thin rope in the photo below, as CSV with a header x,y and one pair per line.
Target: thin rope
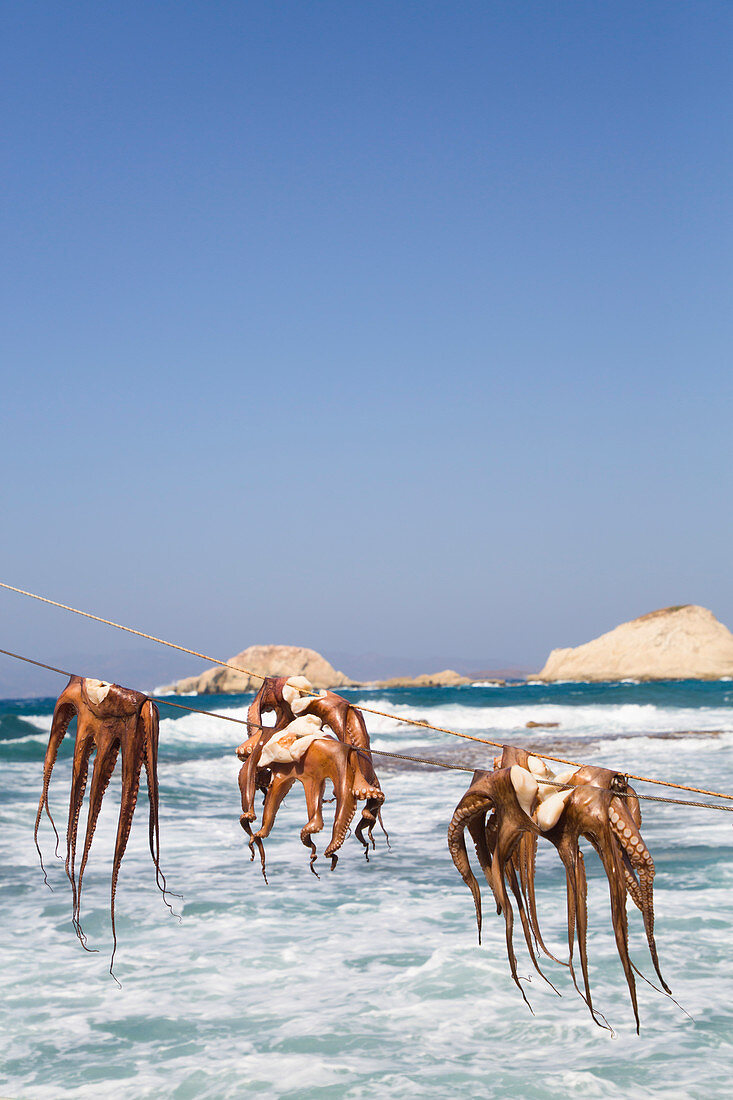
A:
x,y
367,710
381,752
554,782
38,664
210,713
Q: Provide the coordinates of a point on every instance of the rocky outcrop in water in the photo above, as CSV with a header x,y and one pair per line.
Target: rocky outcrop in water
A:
x,y
675,643
447,678
266,660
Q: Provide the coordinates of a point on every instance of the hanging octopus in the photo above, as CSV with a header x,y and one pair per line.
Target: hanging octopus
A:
x,y
505,812
603,809
110,720
274,757
275,695
523,860
347,722
496,809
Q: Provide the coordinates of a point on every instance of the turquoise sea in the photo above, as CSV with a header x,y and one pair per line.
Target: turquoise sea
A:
x,y
369,982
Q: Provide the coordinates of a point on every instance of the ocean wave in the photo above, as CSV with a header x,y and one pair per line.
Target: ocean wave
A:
x,y
590,718
172,694
411,1007
17,728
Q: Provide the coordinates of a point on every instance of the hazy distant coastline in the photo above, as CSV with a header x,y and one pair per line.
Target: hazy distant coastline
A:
x,y
673,643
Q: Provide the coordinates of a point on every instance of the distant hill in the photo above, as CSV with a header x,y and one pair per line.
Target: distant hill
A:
x,y
266,660
674,643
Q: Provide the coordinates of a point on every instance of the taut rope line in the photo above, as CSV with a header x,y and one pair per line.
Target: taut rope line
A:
x,y
379,752
367,710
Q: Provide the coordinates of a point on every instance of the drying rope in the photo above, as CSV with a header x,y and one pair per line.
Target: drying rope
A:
x,y
153,698
554,782
381,752
367,710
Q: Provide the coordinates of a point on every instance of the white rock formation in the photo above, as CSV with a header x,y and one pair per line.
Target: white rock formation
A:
x,y
446,678
675,643
267,660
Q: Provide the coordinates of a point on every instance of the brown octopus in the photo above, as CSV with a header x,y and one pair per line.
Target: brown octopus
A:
x,y
604,810
497,841
506,810
324,759
347,722
110,720
268,699
318,759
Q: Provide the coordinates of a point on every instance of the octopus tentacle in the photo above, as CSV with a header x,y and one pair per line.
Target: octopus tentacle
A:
x,y
252,841
268,699
279,787
82,752
524,859
314,791
150,723
617,891
473,805
345,809
511,876
498,864
347,723
381,826
64,711
636,853
632,883
578,885
104,764
527,865
132,759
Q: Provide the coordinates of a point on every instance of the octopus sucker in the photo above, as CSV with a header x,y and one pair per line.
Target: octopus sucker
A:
x,y
112,721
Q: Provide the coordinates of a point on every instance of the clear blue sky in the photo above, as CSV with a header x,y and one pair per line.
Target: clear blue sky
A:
x,y
394,328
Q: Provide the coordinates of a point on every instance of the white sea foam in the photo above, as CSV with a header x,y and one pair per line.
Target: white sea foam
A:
x,y
369,981
589,718
172,694
41,721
